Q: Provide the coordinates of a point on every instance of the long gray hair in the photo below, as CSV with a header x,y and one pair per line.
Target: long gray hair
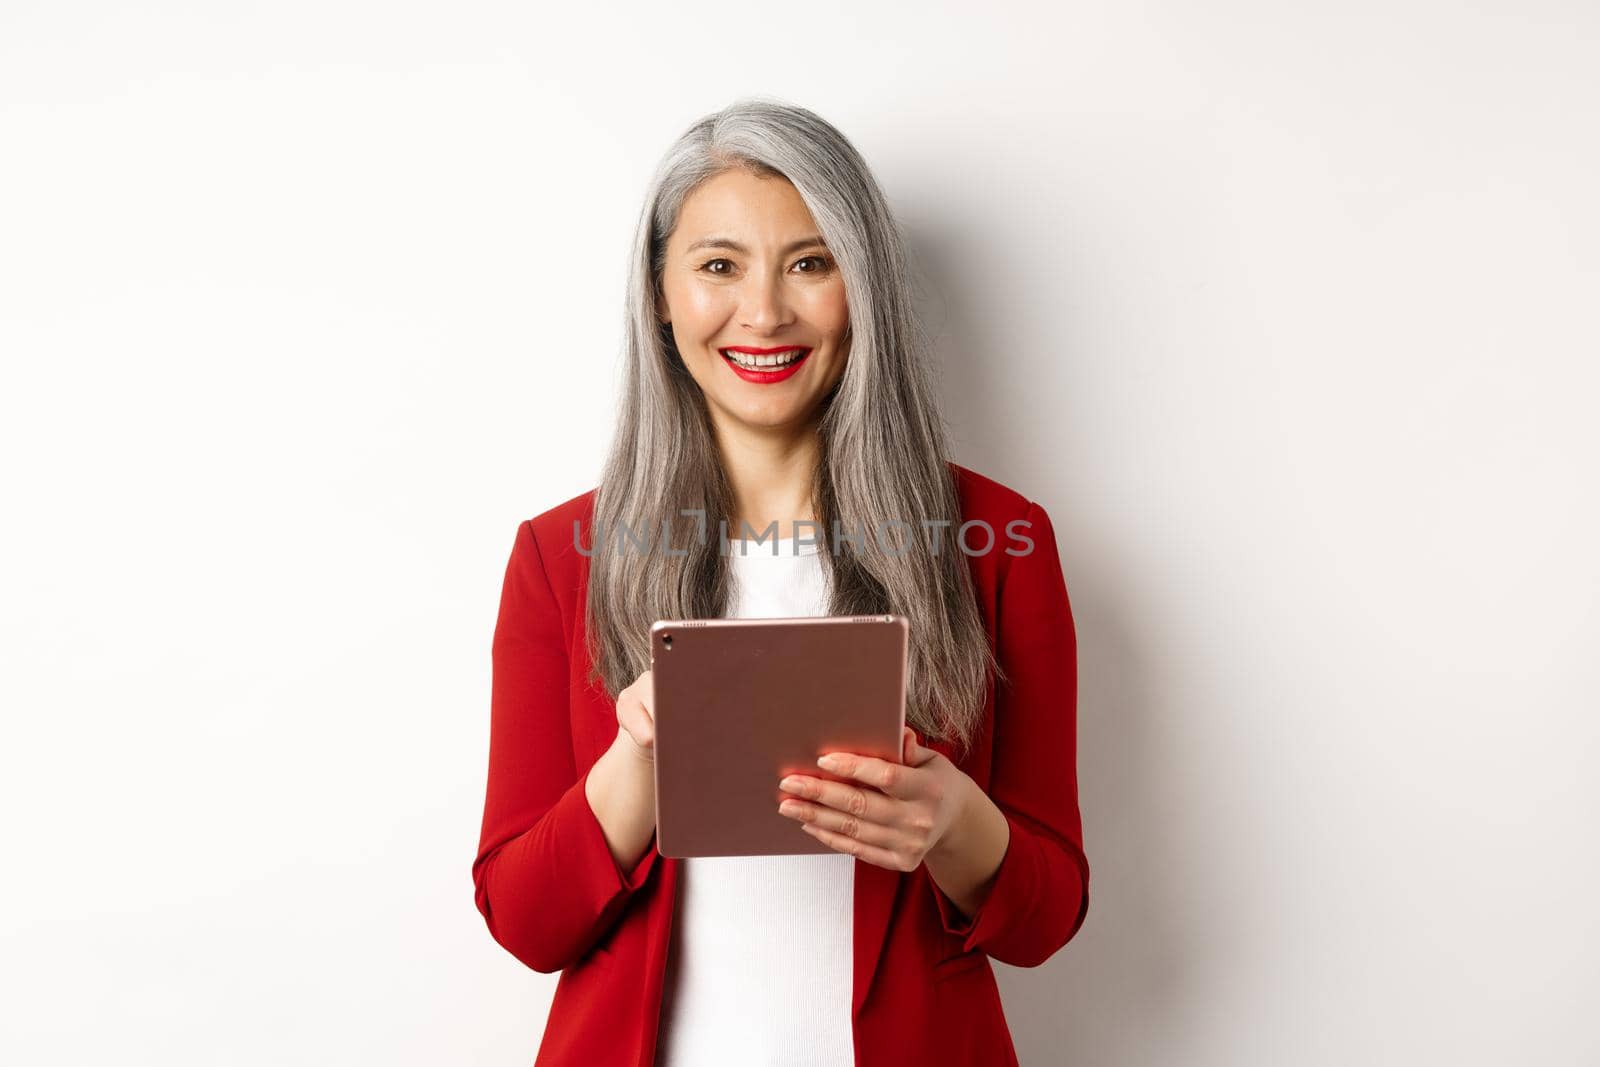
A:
x,y
882,438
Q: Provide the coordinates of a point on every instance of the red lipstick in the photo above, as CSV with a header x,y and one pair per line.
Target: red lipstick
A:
x,y
765,375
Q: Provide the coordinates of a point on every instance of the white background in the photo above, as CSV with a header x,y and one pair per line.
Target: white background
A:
x,y
1285,312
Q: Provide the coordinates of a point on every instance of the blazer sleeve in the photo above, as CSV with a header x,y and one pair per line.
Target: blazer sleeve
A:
x,y
1040,894
544,878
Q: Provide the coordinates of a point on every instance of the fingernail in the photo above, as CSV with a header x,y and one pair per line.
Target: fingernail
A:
x,y
791,783
827,763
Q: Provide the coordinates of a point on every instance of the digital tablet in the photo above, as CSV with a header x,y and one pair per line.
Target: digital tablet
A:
x,y
739,703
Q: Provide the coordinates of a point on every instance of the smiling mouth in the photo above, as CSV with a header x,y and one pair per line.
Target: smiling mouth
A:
x,y
765,361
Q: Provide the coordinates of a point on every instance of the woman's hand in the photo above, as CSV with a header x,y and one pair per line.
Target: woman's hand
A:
x,y
636,718
620,786
894,817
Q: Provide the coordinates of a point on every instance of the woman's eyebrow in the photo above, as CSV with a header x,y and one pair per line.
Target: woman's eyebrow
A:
x,y
724,242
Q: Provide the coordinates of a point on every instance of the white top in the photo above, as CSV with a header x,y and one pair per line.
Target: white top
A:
x,y
759,961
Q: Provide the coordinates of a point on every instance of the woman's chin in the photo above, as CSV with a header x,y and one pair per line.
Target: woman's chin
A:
x,y
768,418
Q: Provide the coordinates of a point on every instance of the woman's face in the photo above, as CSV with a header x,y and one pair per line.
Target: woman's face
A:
x,y
747,269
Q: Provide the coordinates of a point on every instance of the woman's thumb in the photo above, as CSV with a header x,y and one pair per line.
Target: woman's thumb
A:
x,y
912,752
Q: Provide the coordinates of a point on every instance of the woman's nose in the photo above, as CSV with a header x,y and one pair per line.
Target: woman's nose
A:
x,y
763,304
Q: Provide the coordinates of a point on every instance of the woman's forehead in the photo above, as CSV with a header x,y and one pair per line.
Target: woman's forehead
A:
x,y
744,212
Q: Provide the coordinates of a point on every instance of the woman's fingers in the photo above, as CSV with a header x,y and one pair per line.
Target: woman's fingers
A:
x,y
890,819
842,797
895,779
839,822
851,846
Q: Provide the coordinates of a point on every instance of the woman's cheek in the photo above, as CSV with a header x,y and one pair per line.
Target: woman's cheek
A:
x,y
712,305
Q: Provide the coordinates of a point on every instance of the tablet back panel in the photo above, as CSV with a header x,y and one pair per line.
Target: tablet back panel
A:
x,y
739,703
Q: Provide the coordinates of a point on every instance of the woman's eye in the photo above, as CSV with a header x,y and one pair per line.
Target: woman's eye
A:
x,y
724,267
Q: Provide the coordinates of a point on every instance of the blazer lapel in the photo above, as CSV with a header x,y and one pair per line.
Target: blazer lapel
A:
x,y
874,902
874,906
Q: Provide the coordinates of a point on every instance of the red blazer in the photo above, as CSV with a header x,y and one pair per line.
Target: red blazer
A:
x,y
923,991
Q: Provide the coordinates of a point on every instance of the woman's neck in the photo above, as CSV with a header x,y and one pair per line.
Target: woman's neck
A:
x,y
771,475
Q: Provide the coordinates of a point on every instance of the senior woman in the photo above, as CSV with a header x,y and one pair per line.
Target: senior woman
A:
x,y
776,380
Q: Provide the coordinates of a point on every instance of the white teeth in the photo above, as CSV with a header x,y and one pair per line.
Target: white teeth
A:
x,y
776,359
